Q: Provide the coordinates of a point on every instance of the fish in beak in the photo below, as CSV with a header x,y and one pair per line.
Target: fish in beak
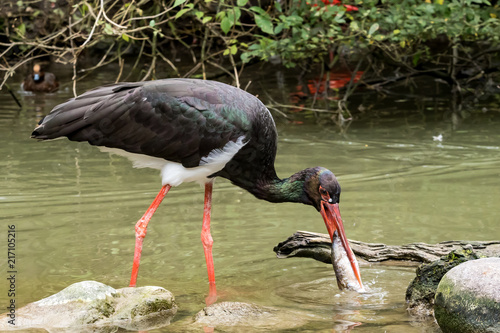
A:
x,y
333,222
346,280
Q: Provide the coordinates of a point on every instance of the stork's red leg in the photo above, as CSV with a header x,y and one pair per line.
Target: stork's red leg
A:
x,y
206,239
140,231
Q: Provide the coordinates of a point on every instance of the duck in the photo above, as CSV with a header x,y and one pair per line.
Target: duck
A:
x,y
40,81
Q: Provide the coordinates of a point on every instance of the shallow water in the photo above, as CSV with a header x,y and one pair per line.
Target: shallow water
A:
x,y
75,208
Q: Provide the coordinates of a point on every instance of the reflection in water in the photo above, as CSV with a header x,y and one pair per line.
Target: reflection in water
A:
x,y
75,209
318,88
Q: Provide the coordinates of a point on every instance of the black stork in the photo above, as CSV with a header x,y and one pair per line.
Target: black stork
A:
x,y
194,130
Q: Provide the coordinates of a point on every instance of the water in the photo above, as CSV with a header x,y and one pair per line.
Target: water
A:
x,y
75,209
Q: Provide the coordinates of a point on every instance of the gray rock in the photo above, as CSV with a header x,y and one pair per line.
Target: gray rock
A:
x,y
249,316
93,306
85,291
421,291
468,298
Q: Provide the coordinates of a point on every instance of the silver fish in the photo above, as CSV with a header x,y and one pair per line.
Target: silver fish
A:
x,y
346,279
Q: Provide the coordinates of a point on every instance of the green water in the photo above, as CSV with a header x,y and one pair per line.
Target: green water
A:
x,y
75,208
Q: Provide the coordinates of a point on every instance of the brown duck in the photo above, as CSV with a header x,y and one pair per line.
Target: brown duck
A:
x,y
40,81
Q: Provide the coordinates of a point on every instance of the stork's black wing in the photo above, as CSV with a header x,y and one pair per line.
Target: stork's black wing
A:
x,y
180,120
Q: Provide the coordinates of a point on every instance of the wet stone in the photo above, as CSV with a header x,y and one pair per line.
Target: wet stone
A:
x,y
239,314
93,306
468,298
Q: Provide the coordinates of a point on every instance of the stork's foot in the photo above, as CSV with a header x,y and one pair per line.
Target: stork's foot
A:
x,y
212,295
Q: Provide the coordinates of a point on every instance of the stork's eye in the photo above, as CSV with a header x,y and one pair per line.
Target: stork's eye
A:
x,y
324,194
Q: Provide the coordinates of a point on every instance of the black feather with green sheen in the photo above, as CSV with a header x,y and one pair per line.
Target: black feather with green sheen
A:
x,y
183,120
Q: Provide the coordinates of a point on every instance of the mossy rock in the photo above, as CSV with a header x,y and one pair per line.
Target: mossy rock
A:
x,y
91,306
421,291
468,298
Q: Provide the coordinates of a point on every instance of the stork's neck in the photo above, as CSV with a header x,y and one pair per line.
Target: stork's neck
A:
x,y
290,189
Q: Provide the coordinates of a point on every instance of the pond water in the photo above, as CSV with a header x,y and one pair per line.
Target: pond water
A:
x,y
75,208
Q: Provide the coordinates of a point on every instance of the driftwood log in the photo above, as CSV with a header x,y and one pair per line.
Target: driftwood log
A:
x,y
318,246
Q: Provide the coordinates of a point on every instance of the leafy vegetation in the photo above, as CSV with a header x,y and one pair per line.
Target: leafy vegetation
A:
x,y
453,40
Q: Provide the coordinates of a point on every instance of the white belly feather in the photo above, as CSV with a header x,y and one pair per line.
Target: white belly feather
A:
x,y
174,173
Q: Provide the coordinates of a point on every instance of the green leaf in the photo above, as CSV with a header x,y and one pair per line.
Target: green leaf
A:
x,y
206,19
237,15
254,47
125,38
242,3
107,29
181,12
245,57
278,28
230,15
233,49
416,57
277,5
264,23
152,23
339,18
226,24
296,19
304,34
178,2
258,10
373,28
21,29
199,14
84,9
220,15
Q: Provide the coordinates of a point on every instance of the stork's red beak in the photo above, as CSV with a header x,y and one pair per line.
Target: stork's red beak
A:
x,y
333,221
